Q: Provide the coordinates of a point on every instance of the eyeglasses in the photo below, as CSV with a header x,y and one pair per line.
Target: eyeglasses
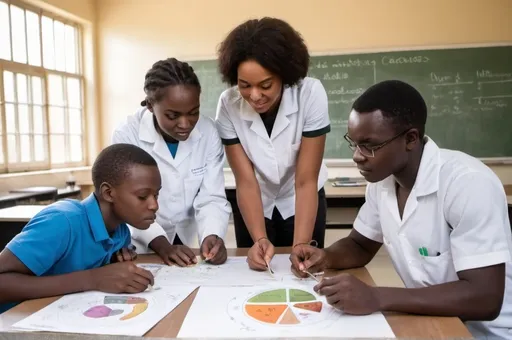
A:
x,y
369,150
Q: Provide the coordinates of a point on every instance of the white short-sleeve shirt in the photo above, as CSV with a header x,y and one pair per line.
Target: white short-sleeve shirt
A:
x,y
303,112
457,212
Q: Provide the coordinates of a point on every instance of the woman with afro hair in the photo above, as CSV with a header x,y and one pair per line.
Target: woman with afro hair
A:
x,y
273,123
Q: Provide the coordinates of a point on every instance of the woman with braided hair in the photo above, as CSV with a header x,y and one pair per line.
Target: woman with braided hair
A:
x,y
190,157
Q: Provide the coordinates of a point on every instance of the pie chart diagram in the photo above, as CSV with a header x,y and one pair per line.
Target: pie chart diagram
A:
x,y
284,307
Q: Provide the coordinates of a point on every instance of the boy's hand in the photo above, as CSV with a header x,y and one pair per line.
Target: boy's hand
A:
x,y
123,255
124,277
305,257
260,254
178,255
214,250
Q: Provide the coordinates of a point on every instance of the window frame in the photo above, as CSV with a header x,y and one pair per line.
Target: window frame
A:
x,y
44,73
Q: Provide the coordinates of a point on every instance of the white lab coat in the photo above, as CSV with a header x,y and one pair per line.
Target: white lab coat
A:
x,y
192,201
457,210
303,111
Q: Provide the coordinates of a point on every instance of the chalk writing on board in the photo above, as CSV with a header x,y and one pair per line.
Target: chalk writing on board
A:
x,y
335,76
342,90
419,59
490,74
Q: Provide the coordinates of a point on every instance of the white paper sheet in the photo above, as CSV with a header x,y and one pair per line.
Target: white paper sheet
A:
x,y
278,310
235,271
109,314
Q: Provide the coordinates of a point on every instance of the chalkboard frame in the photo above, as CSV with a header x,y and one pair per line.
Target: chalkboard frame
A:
x,y
347,162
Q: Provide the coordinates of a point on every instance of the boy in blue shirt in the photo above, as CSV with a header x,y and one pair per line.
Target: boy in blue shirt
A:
x,y
68,246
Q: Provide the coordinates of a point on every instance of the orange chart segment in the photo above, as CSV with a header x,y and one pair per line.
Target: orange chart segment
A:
x,y
289,318
310,306
265,313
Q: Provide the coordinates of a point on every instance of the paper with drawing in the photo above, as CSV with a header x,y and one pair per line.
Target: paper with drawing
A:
x,y
277,310
234,272
109,314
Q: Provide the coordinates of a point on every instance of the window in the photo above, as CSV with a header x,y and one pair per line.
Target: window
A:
x,y
41,90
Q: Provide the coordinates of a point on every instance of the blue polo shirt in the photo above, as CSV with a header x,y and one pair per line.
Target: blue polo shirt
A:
x,y
65,237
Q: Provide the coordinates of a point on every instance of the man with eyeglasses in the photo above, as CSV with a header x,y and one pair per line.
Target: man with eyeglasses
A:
x,y
441,214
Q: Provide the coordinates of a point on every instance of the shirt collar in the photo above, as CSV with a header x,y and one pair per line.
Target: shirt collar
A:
x,y
96,222
427,179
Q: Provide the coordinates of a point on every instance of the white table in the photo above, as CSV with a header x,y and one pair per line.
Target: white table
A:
x,y
20,213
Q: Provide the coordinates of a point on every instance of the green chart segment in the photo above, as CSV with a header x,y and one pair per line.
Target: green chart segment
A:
x,y
277,295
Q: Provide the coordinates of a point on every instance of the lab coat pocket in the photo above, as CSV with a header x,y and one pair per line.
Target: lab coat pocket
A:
x,y
438,269
293,153
191,189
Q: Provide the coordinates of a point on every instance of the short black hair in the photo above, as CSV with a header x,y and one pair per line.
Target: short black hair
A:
x,y
114,162
164,73
271,42
398,101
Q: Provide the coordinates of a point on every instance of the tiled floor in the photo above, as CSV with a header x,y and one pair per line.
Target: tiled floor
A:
x,y
380,268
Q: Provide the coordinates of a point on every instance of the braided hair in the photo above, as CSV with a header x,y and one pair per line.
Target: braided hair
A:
x,y
164,73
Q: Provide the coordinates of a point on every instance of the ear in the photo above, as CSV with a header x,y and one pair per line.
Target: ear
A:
x,y
107,192
149,106
412,139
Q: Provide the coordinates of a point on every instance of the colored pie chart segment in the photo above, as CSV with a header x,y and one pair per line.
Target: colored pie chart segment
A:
x,y
283,307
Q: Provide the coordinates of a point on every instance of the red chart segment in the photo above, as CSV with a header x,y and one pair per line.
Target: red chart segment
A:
x,y
315,306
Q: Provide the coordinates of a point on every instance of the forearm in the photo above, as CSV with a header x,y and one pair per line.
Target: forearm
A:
x,y
306,207
159,244
456,298
346,253
249,202
16,287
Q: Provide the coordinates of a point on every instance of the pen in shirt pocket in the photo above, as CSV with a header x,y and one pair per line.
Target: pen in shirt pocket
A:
x,y
424,252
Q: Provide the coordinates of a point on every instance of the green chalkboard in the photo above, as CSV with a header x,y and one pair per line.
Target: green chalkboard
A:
x,y
468,92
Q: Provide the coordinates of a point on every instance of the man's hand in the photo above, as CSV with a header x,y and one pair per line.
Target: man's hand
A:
x,y
307,258
214,250
349,294
179,255
260,254
124,254
124,277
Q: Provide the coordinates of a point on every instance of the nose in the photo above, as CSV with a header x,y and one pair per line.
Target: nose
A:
x,y
255,94
358,157
153,204
184,123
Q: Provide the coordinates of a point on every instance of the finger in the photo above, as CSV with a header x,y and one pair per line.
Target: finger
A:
x,y
205,248
133,255
335,301
136,287
296,260
215,249
256,265
221,256
329,291
146,274
141,280
182,254
167,260
126,254
119,256
258,260
189,253
269,253
177,259
298,273
313,263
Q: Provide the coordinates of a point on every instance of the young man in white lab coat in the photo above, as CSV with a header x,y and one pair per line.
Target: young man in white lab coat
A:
x,y
441,214
190,157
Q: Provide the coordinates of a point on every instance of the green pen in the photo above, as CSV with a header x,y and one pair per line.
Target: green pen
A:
x,y
423,251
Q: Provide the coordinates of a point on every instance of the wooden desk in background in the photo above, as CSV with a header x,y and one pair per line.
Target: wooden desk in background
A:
x,y
343,203
13,219
404,326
